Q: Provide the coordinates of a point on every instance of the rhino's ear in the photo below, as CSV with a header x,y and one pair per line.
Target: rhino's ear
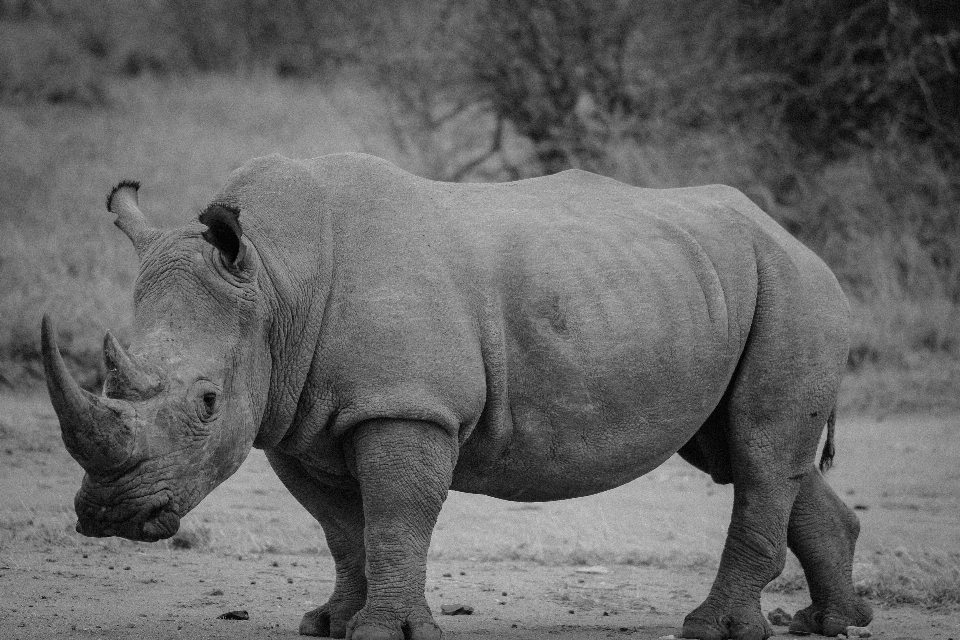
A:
x,y
122,202
224,232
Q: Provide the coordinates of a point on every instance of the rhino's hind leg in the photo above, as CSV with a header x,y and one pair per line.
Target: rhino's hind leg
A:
x,y
340,512
783,390
772,440
753,555
822,533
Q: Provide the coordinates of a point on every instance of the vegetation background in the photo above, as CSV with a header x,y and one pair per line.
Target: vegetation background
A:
x,y
841,118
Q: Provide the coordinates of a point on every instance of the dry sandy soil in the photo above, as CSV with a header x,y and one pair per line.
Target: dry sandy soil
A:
x,y
525,569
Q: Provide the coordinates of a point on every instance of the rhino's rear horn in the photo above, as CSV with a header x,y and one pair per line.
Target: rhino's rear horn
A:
x,y
122,202
98,432
125,379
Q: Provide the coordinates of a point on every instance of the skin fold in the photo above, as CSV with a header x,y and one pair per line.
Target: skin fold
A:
x,y
386,339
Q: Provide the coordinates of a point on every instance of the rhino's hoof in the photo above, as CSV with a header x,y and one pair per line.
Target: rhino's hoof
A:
x,y
830,623
426,631
726,627
806,621
374,632
322,622
409,631
317,623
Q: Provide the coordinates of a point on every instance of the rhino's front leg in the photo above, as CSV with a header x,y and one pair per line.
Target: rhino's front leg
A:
x,y
339,510
405,469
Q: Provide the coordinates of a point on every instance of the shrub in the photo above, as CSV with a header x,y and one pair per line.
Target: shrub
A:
x,y
541,65
292,37
37,62
412,59
859,71
845,131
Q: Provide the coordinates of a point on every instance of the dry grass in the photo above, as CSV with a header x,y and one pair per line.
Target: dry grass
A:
x,y
59,251
899,576
196,537
894,577
31,527
589,554
60,254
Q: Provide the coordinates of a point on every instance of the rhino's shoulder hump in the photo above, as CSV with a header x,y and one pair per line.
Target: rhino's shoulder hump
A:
x,y
259,170
353,159
274,165
586,179
270,162
352,166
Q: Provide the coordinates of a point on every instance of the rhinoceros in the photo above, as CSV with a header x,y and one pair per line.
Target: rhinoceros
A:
x,y
386,338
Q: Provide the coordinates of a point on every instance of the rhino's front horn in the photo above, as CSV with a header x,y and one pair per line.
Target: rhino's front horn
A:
x,y
98,432
126,380
122,202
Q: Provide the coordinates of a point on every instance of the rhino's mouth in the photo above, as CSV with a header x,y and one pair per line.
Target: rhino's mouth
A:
x,y
154,521
156,526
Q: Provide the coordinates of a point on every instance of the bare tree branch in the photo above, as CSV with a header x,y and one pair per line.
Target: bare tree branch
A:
x,y
496,145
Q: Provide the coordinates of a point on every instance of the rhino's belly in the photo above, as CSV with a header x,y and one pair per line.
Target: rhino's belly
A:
x,y
598,388
572,424
552,457
611,348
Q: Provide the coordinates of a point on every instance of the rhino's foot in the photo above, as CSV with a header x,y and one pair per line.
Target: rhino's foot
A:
x,y
740,625
418,625
831,621
329,620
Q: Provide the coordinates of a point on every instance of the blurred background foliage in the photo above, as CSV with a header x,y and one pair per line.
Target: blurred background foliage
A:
x,y
841,118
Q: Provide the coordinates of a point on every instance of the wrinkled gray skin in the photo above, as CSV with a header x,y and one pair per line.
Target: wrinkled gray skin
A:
x,y
386,338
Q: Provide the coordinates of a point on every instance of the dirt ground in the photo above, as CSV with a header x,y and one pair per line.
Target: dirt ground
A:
x,y
528,571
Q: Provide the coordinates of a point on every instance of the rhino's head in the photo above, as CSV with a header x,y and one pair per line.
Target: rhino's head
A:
x,y
180,410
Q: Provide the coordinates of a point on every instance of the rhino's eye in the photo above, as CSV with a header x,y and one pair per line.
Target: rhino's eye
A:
x,y
208,405
205,396
210,402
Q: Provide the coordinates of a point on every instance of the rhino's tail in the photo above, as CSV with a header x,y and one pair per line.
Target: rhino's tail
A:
x,y
826,457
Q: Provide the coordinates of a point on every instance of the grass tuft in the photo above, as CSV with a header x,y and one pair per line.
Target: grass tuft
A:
x,y
893,577
926,578
578,554
196,537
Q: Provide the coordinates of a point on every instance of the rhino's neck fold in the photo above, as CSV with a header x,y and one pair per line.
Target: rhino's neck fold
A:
x,y
299,299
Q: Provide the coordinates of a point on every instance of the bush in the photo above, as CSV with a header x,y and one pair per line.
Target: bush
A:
x,y
292,37
289,37
845,131
412,59
858,72
38,63
544,65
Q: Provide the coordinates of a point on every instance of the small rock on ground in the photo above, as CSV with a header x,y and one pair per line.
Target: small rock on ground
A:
x,y
858,632
456,609
234,615
596,569
779,617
